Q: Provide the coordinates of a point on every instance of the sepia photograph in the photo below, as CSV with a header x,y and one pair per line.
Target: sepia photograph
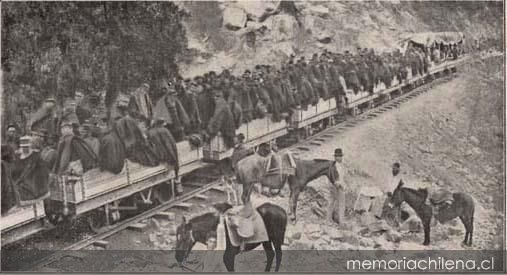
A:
x,y
253,136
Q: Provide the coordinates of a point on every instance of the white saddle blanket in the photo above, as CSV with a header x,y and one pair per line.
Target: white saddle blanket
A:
x,y
259,229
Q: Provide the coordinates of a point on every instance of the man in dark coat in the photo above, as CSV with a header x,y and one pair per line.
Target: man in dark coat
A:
x,y
140,104
163,144
112,152
170,109
85,134
222,120
245,99
351,78
188,98
71,151
29,174
231,97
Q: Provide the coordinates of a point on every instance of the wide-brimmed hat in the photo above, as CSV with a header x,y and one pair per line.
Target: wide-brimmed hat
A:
x,y
338,152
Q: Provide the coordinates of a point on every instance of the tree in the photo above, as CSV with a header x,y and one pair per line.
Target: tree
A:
x,y
60,47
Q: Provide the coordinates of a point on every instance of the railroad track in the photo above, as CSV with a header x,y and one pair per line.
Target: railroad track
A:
x,y
296,149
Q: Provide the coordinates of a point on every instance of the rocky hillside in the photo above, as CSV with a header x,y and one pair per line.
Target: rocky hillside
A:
x,y
221,34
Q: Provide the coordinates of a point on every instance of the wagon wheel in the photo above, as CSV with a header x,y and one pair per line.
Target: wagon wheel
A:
x,y
96,220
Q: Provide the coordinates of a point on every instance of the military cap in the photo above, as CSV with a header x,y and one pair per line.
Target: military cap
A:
x,y
338,152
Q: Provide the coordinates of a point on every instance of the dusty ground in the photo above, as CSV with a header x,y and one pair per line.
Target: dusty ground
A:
x,y
452,135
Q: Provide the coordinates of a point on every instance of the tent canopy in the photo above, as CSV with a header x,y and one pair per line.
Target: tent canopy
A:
x,y
429,38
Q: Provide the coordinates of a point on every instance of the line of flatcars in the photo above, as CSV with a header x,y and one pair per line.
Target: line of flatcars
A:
x,y
100,197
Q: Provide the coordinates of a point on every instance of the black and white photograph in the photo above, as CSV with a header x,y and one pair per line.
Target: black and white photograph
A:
x,y
253,136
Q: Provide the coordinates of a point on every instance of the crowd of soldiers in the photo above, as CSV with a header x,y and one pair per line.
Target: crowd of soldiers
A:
x,y
197,109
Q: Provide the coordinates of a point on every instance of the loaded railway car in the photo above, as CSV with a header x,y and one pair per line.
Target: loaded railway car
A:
x,y
101,197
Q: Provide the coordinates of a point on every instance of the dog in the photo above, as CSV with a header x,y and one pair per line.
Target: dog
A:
x,y
232,190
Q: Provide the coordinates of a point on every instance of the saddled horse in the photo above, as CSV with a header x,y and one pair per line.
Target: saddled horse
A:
x,y
462,207
196,230
252,169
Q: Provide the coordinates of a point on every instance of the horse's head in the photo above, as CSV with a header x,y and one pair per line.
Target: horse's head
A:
x,y
396,198
184,241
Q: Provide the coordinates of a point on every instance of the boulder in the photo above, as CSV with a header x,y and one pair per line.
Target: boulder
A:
x,y
296,236
234,18
335,234
379,226
412,224
319,10
311,228
365,242
284,48
257,10
393,236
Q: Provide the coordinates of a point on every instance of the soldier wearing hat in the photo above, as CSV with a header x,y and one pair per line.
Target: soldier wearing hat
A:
x,y
12,137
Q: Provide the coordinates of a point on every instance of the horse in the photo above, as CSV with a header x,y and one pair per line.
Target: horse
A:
x,y
251,170
462,207
196,230
306,171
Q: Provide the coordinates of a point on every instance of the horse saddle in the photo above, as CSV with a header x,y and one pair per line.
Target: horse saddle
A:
x,y
440,197
439,200
245,225
281,164
240,220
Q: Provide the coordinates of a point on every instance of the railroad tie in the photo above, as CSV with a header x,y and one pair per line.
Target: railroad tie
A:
x,y
303,148
139,227
183,205
101,243
169,216
315,143
201,197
